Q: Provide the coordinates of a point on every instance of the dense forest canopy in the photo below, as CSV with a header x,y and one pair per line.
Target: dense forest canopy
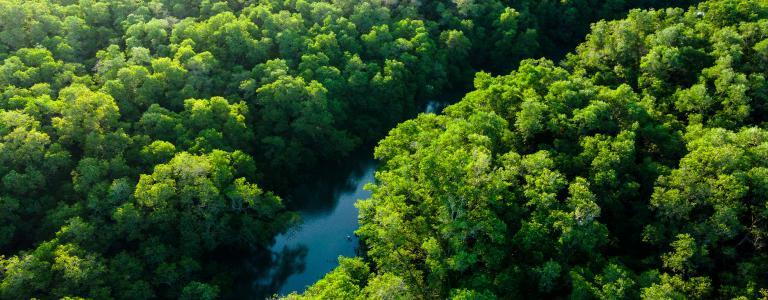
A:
x,y
636,168
141,139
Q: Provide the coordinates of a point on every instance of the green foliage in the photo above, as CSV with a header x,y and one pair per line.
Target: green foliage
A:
x,y
635,169
138,139
197,290
296,121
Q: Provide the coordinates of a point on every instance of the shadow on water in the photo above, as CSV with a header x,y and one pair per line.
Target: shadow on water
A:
x,y
325,202
320,194
264,272
309,250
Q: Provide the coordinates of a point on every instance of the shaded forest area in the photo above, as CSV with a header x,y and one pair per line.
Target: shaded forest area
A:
x,y
636,168
140,138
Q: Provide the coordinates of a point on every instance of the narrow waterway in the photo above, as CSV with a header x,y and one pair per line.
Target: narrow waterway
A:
x,y
308,251
326,232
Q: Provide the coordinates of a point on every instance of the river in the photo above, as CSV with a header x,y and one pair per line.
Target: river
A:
x,y
308,251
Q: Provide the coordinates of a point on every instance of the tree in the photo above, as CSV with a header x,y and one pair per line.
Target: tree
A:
x,y
296,124
83,113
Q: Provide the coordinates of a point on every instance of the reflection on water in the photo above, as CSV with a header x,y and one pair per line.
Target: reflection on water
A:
x,y
435,107
263,273
329,219
310,250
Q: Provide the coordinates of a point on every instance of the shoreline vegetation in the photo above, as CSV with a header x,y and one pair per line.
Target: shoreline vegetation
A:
x,y
634,168
139,139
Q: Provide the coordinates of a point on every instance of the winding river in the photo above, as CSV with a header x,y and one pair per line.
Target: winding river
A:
x,y
308,251
326,231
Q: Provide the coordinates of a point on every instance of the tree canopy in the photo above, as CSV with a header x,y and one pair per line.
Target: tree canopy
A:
x,y
632,169
141,139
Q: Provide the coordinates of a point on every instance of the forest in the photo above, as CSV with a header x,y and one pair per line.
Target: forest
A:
x,y
605,149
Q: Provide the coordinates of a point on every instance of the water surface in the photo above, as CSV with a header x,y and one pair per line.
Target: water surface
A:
x,y
304,254
327,228
311,249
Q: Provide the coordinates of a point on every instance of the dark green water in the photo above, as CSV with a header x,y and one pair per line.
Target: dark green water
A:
x,y
308,251
327,231
329,219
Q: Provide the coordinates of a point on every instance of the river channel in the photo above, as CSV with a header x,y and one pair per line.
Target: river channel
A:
x,y
311,249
